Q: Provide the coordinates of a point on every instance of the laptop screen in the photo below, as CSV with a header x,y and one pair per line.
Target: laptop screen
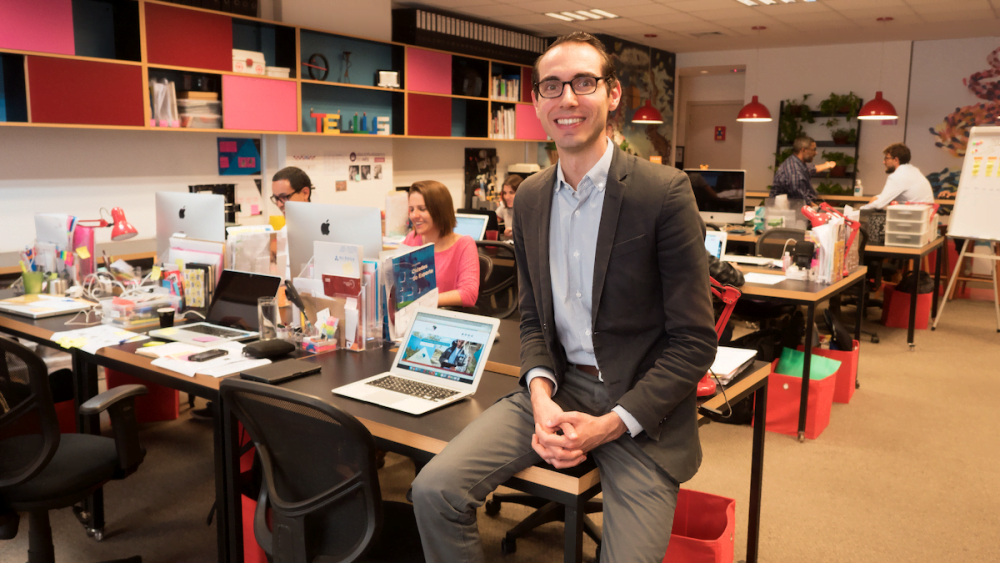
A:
x,y
445,347
715,243
472,225
234,304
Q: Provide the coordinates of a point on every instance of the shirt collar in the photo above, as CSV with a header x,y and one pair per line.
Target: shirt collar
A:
x,y
598,174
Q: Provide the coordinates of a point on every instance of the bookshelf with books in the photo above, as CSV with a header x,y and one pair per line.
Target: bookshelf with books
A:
x,y
120,49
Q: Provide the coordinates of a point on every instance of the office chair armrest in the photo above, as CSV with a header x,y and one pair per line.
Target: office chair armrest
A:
x,y
105,400
120,404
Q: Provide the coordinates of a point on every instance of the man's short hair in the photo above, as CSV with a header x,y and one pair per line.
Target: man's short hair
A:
x,y
608,70
296,178
801,144
898,150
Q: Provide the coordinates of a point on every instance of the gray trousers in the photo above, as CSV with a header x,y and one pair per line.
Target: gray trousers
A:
x,y
639,497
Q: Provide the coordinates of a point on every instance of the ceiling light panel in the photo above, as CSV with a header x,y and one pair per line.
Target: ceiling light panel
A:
x,y
747,2
589,15
575,16
602,13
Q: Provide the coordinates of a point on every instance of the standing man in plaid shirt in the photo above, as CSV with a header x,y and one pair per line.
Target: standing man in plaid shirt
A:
x,y
792,177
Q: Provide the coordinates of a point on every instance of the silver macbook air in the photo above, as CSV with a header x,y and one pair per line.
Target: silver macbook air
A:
x,y
472,225
232,315
440,360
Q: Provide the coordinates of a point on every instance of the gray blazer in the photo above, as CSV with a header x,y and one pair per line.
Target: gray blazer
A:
x,y
653,329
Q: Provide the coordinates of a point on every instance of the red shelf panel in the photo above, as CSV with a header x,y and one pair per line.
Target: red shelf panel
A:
x,y
428,71
428,115
179,37
258,104
31,25
526,85
527,125
84,92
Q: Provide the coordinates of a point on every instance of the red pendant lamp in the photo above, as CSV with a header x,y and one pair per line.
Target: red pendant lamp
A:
x,y
755,112
647,114
879,108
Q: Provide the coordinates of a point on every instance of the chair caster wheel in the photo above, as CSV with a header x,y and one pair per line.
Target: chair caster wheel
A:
x,y
875,339
508,546
98,535
492,507
802,436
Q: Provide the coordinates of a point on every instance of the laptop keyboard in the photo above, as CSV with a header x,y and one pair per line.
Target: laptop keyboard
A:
x,y
408,387
214,331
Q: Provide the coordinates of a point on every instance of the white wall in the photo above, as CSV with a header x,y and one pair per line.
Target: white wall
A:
x,y
78,171
785,73
708,88
363,18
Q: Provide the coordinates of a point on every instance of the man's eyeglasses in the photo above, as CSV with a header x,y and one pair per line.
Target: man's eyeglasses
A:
x,y
581,86
281,199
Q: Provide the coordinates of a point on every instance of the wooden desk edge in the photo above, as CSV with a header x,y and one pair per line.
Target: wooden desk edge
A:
x,y
905,250
768,291
25,328
738,389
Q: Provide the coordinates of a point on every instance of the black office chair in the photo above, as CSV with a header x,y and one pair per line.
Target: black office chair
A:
x,y
546,511
771,243
497,282
41,469
320,500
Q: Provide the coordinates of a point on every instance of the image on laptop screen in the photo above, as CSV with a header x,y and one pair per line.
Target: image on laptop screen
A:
x,y
715,243
445,347
472,225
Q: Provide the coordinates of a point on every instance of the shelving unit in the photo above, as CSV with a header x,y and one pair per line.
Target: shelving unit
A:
x,y
853,174
110,49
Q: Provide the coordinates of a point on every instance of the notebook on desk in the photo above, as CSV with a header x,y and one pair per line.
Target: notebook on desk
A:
x,y
440,361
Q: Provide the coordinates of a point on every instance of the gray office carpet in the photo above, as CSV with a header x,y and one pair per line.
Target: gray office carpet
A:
x,y
909,471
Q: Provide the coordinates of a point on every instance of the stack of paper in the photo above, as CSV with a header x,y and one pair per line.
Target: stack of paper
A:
x,y
730,362
174,356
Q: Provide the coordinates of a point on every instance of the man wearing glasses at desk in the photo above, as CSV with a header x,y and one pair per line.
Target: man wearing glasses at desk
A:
x,y
616,330
290,184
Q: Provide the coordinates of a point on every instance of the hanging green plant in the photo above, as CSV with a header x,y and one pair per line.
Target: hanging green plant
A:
x,y
793,114
837,104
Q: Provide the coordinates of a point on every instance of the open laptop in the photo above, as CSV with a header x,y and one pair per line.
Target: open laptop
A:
x,y
715,243
472,225
232,315
440,361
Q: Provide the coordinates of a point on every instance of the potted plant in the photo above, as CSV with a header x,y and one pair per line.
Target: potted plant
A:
x,y
550,148
832,188
844,136
842,162
793,114
847,105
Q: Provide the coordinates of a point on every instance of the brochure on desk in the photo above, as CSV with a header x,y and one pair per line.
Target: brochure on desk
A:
x,y
410,282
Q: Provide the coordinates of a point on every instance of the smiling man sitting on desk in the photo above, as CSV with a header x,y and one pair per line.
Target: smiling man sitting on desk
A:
x,y
616,330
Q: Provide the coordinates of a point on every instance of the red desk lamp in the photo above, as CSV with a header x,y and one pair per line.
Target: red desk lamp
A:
x,y
729,295
121,229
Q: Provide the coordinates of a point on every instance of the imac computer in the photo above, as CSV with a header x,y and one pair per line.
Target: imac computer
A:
x,y
197,216
719,194
348,224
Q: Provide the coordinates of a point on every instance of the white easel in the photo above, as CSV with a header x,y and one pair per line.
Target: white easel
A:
x,y
977,207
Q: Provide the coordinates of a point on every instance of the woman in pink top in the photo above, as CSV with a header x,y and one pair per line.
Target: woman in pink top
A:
x,y
456,259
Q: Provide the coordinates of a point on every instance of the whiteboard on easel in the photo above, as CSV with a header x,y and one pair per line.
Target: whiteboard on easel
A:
x,y
977,205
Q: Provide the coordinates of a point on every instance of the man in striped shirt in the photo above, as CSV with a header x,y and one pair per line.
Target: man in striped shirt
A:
x,y
793,176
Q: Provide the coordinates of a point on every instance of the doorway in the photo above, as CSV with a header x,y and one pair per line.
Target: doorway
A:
x,y
701,147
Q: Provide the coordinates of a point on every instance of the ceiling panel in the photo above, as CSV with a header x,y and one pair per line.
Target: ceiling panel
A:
x,y
543,6
611,5
641,10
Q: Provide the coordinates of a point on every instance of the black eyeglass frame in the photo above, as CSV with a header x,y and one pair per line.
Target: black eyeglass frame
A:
x,y
562,89
283,198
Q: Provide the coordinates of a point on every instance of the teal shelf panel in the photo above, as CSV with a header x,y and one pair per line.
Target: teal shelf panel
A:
x,y
321,98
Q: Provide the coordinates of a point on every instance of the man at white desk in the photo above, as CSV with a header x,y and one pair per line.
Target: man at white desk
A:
x,y
905,183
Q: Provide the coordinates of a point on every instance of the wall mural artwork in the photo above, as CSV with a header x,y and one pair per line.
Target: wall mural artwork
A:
x,y
639,84
963,94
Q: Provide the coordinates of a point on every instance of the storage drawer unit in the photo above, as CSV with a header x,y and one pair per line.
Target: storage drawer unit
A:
x,y
910,240
906,227
915,213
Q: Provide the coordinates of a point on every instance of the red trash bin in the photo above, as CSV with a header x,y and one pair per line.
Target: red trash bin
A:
x,y
847,375
703,529
896,308
784,394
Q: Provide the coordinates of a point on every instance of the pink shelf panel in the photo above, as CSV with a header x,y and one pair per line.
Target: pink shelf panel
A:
x,y
34,25
527,125
258,104
428,71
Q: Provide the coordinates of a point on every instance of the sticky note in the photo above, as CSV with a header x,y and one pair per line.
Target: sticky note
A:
x,y
255,210
151,344
155,274
227,146
223,162
83,253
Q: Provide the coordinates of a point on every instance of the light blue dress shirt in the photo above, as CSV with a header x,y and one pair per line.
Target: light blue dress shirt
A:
x,y
573,228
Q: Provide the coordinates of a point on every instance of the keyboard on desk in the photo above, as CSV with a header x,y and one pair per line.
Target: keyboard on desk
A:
x,y
414,388
215,331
